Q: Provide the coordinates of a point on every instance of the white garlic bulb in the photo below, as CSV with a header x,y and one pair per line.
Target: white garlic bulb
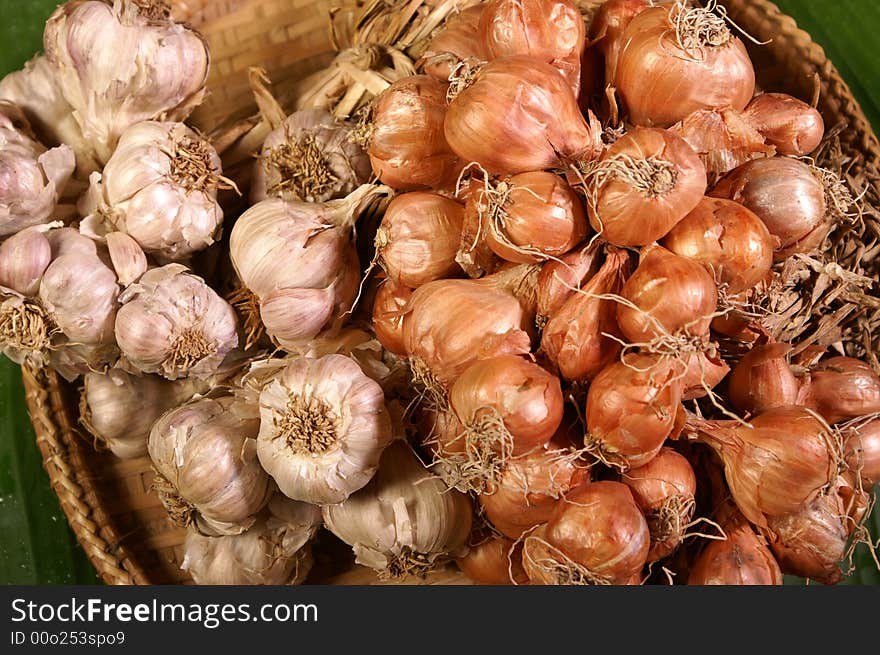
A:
x,y
31,177
120,62
160,188
172,323
24,258
119,408
35,91
298,263
207,472
323,426
406,521
311,157
275,550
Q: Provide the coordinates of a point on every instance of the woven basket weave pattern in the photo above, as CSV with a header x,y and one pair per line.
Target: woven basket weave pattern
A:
x,y
118,521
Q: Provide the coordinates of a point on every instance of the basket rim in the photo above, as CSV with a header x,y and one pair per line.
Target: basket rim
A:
x,y
62,445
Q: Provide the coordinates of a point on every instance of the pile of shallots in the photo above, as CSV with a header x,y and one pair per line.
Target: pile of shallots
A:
x,y
509,317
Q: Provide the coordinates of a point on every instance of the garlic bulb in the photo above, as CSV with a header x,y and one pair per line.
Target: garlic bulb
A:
x,y
31,177
123,61
406,521
119,409
24,258
172,323
311,157
207,472
323,426
159,187
275,550
298,264
34,89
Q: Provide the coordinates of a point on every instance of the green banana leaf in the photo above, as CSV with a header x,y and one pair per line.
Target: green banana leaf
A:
x,y
36,543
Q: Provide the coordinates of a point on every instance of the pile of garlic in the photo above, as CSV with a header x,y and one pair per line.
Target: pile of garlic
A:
x,y
269,411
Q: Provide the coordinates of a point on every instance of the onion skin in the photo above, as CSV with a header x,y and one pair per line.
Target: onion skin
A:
x,y
672,294
631,409
782,192
407,148
776,466
491,562
574,338
628,216
550,30
664,489
418,238
542,217
660,84
558,280
519,115
526,397
530,487
730,240
840,388
388,314
456,41
862,451
741,559
598,527
793,126
703,370
607,28
762,380
433,332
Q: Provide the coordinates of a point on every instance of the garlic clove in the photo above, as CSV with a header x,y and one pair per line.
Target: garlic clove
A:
x,y
24,258
129,261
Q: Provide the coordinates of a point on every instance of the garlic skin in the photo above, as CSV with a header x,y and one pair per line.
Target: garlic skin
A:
x,y
172,323
31,177
406,521
275,550
35,91
24,258
160,188
121,62
323,426
208,476
119,409
309,157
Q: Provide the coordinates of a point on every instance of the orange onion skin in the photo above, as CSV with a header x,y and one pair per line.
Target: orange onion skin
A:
x,y
723,138
418,238
388,314
542,213
631,409
519,115
559,279
671,292
407,147
608,26
840,388
456,41
728,239
862,451
659,84
628,216
791,125
762,380
440,432
549,30
527,398
782,192
434,333
474,255
574,339
665,484
492,561
741,559
776,466
599,527
703,370
530,487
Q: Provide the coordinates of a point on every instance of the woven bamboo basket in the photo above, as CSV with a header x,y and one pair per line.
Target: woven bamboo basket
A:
x,y
121,524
